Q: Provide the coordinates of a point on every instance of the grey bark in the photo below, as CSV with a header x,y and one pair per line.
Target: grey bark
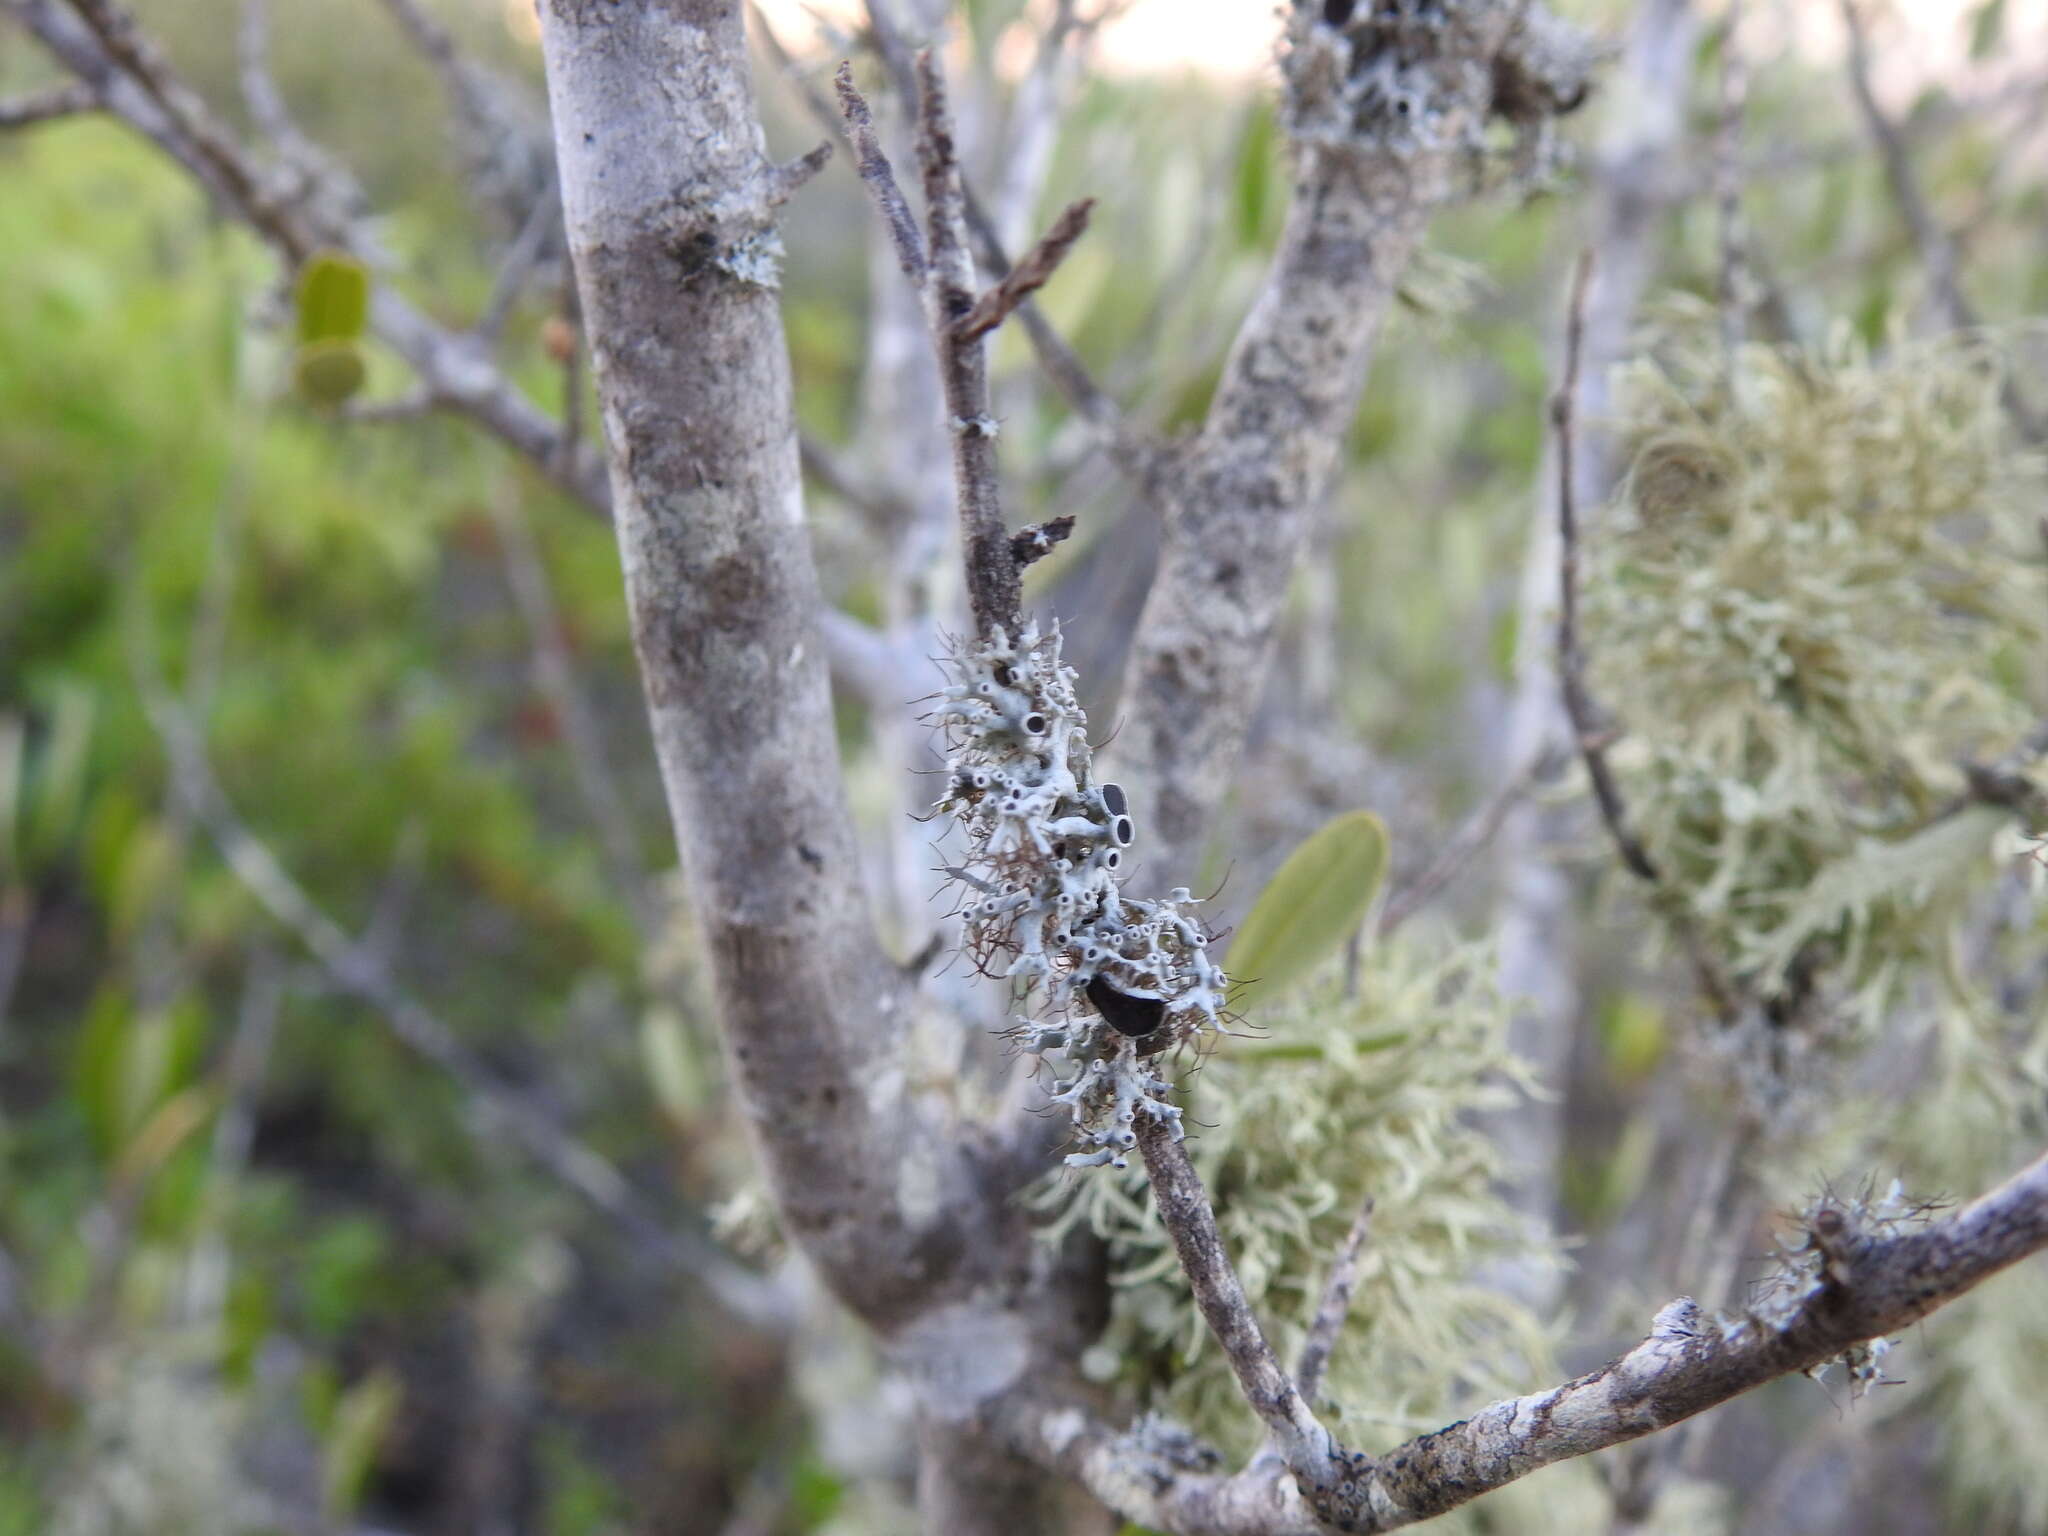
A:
x,y
1373,161
667,198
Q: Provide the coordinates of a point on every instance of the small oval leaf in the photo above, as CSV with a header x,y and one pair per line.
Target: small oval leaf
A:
x,y
1315,901
328,372
334,297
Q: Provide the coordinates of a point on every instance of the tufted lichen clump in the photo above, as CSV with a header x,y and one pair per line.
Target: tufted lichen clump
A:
x,y
1119,979
1353,1095
1819,594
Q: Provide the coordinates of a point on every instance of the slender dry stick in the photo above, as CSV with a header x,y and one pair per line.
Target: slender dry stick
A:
x,y
880,178
356,972
1590,733
1728,185
1869,1287
1592,736
132,79
1937,252
140,59
45,106
517,266
994,589
1465,844
1059,362
1334,1307
234,1129
941,269
1029,275
1185,1212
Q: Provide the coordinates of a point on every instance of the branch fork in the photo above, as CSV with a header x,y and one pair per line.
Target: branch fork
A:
x,y
940,267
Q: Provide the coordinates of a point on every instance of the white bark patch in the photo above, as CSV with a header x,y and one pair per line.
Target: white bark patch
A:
x,y
960,1356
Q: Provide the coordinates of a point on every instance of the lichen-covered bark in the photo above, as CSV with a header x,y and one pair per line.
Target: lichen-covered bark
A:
x,y
1383,104
1869,1284
667,199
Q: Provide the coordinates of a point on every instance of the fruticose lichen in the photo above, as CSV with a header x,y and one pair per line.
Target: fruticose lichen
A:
x,y
1819,593
1117,979
1374,1093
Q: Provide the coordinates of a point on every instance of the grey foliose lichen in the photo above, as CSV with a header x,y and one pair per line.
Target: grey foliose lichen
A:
x,y
1409,77
1403,77
1116,980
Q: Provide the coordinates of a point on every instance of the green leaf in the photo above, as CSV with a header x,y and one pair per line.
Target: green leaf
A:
x,y
1313,904
58,789
1633,1032
1987,29
328,372
334,298
361,1420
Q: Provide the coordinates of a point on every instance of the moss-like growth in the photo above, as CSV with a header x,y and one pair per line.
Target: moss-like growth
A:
x,y
1351,1096
1817,595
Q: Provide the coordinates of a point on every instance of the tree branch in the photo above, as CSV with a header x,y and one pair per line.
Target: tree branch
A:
x,y
1590,732
1029,275
1184,1211
1937,252
47,106
1334,1307
133,80
1236,505
353,969
1858,1285
670,244
941,269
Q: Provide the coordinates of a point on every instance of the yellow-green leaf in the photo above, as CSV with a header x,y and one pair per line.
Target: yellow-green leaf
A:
x,y
334,298
328,372
1312,905
362,1418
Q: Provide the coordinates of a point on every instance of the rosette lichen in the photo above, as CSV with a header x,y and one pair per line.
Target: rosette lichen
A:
x,y
1117,979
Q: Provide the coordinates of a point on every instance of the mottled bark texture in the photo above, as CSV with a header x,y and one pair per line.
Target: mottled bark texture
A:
x,y
1864,1285
1384,105
667,197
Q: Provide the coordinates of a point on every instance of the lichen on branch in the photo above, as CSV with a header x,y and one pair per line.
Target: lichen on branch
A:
x,y
1117,979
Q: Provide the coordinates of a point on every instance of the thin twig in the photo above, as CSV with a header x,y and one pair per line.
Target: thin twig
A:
x,y
1464,845
1729,291
1591,735
1062,364
942,270
1334,1307
1589,732
133,80
526,574
1185,1212
144,63
234,1129
1873,1286
1936,251
880,178
884,514
1029,275
357,973
522,257
47,106
994,586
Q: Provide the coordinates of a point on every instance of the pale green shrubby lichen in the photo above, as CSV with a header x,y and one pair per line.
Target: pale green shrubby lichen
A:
x,y
1818,593
1346,1097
